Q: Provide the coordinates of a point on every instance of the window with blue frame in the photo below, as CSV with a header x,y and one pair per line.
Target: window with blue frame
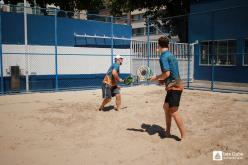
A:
x,y
245,57
220,52
226,52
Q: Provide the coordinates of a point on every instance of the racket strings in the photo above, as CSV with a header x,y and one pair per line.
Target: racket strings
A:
x,y
144,73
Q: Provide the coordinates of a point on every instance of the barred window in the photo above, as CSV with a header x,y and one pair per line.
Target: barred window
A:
x,y
152,29
220,52
138,31
137,17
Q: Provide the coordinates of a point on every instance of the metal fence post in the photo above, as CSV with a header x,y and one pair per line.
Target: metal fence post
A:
x,y
1,55
148,40
212,73
56,49
188,75
212,54
26,46
112,40
131,50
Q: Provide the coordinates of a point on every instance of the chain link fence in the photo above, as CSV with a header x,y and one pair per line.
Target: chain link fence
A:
x,y
73,50
50,51
215,55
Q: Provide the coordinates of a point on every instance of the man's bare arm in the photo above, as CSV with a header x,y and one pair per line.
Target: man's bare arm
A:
x,y
116,76
162,76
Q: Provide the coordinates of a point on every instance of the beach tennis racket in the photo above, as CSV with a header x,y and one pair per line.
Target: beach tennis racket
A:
x,y
144,73
129,80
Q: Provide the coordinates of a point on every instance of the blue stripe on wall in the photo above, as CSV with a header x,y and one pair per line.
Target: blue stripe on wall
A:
x,y
12,28
47,82
41,30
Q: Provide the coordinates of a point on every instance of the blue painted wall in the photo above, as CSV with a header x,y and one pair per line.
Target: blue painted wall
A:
x,y
230,23
41,31
47,82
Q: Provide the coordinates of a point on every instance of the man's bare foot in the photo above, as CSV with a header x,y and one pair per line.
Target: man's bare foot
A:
x,y
167,134
182,138
117,108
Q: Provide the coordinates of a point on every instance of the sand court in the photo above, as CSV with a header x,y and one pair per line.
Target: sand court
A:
x,y
66,128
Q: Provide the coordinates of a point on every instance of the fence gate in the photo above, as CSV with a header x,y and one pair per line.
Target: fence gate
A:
x,y
184,52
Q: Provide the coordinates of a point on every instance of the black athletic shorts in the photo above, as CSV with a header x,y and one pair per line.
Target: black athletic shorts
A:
x,y
173,98
109,91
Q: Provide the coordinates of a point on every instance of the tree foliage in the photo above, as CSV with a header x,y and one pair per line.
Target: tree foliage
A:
x,y
162,13
68,5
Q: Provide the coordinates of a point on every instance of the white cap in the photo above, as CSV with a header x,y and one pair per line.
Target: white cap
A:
x,y
118,56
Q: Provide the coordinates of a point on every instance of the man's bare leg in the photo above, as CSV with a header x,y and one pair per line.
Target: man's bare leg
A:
x,y
104,102
118,101
178,120
167,117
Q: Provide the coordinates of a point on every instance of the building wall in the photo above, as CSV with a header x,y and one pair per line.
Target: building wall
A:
x,y
230,23
71,60
41,29
139,23
78,66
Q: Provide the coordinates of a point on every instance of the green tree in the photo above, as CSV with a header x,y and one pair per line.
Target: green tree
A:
x,y
162,13
68,5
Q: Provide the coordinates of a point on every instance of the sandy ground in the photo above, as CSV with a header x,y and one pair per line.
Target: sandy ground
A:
x,y
65,128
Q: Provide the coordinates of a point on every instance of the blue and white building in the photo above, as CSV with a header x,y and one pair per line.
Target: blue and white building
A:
x,y
75,61
221,29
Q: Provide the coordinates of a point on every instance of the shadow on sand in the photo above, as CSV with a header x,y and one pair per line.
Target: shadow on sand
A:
x,y
154,129
108,108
